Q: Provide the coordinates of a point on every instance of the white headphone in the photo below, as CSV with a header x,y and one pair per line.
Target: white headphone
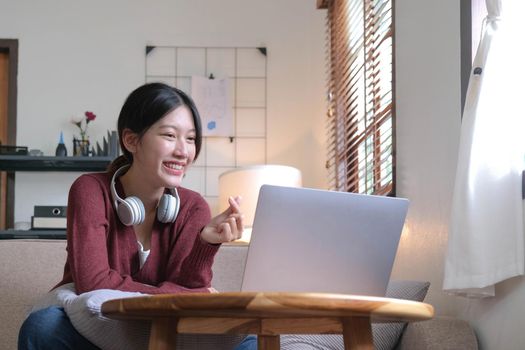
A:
x,y
131,209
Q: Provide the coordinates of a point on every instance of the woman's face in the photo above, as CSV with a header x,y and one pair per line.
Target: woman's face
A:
x,y
167,148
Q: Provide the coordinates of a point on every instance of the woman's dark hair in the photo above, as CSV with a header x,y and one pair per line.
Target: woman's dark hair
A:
x,y
144,107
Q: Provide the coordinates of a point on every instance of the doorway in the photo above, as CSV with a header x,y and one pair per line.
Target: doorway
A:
x,y
8,97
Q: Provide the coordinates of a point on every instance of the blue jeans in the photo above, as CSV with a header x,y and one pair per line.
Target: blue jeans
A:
x,y
51,329
248,343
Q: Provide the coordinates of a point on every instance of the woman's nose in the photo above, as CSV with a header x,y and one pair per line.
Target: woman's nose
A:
x,y
181,149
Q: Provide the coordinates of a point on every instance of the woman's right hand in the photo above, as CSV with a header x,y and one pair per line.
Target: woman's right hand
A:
x,y
227,226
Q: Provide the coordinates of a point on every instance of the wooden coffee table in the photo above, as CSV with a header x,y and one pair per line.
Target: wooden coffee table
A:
x,y
266,314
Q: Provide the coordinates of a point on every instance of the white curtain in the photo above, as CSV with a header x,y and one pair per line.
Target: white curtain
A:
x,y
486,237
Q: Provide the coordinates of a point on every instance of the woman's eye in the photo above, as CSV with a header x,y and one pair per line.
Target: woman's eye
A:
x,y
169,135
191,139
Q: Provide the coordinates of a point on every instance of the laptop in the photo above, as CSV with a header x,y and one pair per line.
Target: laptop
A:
x,y
308,240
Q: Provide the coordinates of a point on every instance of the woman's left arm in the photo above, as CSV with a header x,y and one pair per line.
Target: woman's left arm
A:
x,y
190,259
198,241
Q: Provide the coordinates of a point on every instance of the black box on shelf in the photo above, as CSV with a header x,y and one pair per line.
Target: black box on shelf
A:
x,y
50,211
13,150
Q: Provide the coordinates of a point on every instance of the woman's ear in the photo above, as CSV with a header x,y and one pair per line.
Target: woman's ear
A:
x,y
130,140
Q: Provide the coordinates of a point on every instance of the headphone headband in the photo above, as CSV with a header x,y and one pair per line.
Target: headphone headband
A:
x,y
131,209
114,194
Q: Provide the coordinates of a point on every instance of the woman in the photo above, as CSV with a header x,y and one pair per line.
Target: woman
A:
x,y
133,228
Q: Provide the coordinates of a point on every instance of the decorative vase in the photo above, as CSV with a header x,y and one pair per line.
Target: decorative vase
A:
x,y
81,147
61,150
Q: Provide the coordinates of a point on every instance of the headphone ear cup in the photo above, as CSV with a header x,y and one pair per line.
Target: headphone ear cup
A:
x,y
168,208
131,211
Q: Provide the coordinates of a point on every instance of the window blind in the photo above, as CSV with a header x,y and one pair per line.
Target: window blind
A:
x,y
360,127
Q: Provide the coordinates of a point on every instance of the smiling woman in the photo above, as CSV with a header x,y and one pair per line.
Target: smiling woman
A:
x,y
166,149
134,228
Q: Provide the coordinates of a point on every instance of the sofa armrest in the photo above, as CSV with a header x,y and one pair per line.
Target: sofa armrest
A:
x,y
439,333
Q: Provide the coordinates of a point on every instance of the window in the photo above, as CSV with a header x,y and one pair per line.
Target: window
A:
x,y
361,134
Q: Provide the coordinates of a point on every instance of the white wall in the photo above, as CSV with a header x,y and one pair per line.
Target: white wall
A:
x,y
78,56
428,127
428,121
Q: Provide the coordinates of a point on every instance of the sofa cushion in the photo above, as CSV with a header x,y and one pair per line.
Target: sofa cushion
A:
x,y
441,332
387,335
84,311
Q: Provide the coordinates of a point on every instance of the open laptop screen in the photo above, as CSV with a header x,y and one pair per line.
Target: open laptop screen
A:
x,y
307,240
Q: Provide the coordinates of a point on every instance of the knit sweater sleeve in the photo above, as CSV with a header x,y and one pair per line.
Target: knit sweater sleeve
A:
x,y
195,269
89,249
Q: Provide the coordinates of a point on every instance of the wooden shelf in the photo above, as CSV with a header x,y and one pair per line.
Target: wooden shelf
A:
x,y
32,234
45,163
13,163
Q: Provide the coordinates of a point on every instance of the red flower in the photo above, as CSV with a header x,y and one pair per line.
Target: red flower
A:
x,y
90,116
82,124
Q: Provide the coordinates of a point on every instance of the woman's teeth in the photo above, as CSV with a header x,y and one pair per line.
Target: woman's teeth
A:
x,y
174,166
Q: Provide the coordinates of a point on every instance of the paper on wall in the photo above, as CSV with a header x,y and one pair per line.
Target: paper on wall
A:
x,y
212,99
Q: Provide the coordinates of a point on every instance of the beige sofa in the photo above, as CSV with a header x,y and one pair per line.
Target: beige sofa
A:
x,y
29,268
